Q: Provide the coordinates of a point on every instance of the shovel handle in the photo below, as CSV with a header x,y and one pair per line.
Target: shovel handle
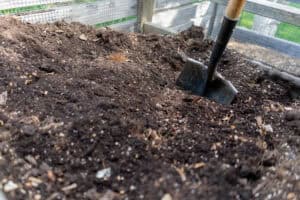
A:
x,y
233,12
234,9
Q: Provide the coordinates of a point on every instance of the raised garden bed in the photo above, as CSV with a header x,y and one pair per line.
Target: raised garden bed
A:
x,y
95,114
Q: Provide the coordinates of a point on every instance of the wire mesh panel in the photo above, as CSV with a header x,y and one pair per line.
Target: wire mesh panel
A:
x,y
9,4
92,12
101,13
48,16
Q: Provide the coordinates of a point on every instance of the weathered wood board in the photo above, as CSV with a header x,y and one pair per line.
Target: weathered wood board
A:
x,y
283,46
163,4
176,17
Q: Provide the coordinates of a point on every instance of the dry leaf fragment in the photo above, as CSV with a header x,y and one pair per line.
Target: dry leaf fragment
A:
x,y
118,57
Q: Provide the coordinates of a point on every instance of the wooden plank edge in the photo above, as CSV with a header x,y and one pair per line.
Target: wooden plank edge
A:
x,y
150,27
290,48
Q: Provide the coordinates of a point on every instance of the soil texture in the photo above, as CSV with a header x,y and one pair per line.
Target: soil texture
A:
x,y
95,114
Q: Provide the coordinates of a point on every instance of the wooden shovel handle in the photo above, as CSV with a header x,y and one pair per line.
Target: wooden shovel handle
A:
x,y
234,9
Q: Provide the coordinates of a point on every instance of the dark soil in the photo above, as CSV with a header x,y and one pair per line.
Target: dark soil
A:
x,y
81,100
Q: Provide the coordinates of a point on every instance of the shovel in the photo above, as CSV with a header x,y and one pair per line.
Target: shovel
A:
x,y
203,80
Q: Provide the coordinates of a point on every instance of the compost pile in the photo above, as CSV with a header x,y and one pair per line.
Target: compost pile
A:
x,y
96,114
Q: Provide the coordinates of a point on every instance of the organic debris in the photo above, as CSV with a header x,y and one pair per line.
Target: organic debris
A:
x,y
96,114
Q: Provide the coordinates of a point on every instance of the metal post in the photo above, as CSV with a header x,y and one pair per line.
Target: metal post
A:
x,y
212,20
145,13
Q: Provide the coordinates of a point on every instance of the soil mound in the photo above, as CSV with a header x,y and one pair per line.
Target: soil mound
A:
x,y
81,100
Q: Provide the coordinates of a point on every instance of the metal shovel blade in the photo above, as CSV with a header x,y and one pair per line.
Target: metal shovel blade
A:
x,y
193,78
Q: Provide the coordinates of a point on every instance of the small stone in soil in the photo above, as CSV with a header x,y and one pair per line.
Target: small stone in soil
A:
x,y
83,37
104,173
167,197
268,128
10,186
291,196
35,182
37,197
31,160
28,130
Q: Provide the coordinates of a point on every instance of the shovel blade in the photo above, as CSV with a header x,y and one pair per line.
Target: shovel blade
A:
x,y
194,78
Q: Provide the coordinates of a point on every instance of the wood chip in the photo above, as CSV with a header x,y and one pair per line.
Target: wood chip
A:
x,y
259,121
69,187
83,37
31,159
199,165
51,175
35,182
59,31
